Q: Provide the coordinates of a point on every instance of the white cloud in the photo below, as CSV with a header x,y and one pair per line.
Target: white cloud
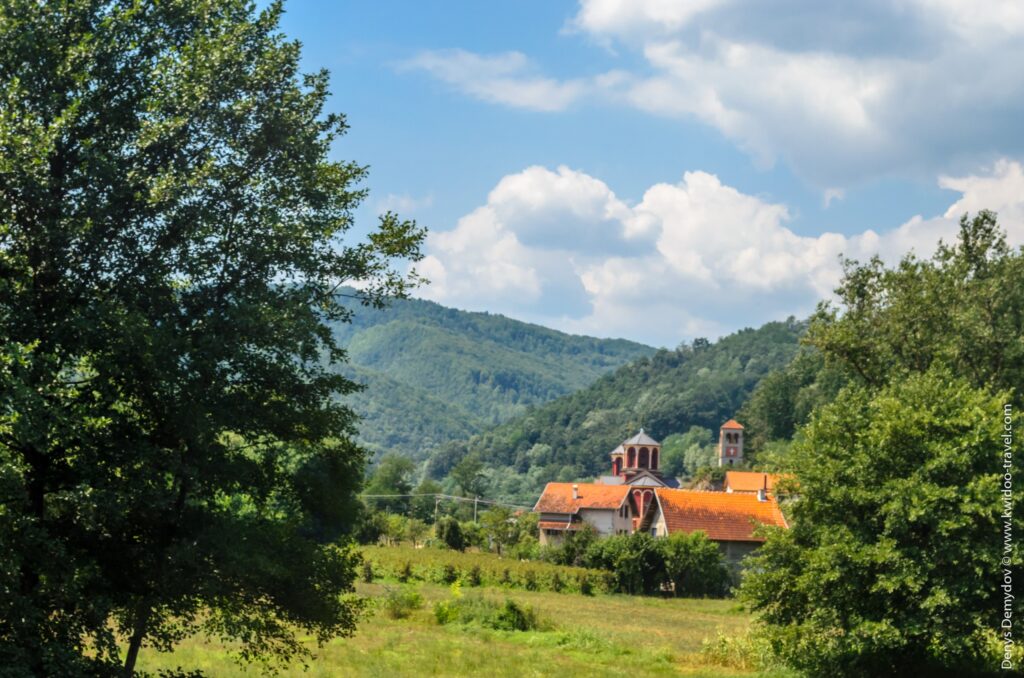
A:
x,y
506,78
404,204
693,258
842,92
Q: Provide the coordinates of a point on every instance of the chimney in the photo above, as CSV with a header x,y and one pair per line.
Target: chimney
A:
x,y
575,491
762,495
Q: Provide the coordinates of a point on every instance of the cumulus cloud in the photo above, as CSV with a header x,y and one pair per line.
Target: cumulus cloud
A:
x,y
841,91
691,258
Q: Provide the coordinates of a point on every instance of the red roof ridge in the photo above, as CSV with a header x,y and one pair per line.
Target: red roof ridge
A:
x,y
732,423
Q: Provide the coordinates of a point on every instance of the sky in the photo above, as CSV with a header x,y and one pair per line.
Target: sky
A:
x,y
663,170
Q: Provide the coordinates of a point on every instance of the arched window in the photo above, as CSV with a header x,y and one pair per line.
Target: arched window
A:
x,y
617,466
631,458
654,458
644,460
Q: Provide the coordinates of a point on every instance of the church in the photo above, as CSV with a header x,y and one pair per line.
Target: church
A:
x,y
636,497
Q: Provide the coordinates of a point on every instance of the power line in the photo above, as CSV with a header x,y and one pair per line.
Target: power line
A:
x,y
451,497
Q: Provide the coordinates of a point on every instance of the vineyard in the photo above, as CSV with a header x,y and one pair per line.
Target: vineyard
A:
x,y
443,566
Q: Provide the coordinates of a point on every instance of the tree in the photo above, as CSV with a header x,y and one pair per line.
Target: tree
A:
x,y
449,531
393,476
416,530
500,526
694,565
963,308
174,455
468,474
883,569
423,505
635,561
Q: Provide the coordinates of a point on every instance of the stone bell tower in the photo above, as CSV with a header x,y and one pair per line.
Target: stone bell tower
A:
x,y
730,443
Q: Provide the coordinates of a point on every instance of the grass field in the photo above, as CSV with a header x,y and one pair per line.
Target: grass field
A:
x,y
604,635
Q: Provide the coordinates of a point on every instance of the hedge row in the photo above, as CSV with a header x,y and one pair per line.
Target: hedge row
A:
x,y
442,566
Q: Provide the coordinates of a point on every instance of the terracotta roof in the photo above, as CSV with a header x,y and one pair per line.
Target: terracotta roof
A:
x,y
732,423
557,497
641,439
558,525
750,481
721,515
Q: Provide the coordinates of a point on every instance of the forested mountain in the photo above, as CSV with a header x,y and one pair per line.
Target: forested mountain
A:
x,y
436,374
667,393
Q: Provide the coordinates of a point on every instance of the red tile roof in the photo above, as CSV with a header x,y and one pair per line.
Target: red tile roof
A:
x,y
557,497
732,423
750,481
722,516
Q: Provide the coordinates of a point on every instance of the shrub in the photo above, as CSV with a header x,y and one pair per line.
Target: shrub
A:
x,y
506,577
513,617
530,580
556,582
405,574
367,571
586,588
449,532
475,609
473,577
449,574
635,562
400,603
694,565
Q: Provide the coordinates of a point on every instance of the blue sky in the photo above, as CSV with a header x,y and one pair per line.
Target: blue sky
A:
x,y
661,170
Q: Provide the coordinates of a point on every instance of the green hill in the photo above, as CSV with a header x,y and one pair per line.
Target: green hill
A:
x,y
436,374
667,393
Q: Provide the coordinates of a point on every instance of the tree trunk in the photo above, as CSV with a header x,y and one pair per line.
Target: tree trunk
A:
x,y
138,633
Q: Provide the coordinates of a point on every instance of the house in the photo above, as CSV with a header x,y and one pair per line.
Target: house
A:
x,y
636,497
730,520
750,481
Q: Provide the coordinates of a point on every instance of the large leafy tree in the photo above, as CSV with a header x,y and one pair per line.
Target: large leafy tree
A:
x,y
173,453
891,564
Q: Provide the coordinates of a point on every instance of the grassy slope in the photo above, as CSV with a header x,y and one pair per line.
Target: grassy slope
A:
x,y
595,637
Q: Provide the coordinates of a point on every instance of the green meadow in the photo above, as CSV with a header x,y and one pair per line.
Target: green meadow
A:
x,y
594,636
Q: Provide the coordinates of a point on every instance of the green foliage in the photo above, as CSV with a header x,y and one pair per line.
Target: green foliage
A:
x,y
888,567
431,565
400,603
393,475
436,374
636,562
963,309
669,392
469,476
367,571
422,507
694,565
173,456
449,531
476,609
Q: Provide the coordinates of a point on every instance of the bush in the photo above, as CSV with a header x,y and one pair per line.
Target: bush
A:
x,y
513,617
473,578
694,566
400,603
367,571
475,609
529,580
449,574
635,561
556,583
405,574
449,532
586,588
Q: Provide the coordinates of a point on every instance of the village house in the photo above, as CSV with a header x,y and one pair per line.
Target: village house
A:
x,y
636,497
750,481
